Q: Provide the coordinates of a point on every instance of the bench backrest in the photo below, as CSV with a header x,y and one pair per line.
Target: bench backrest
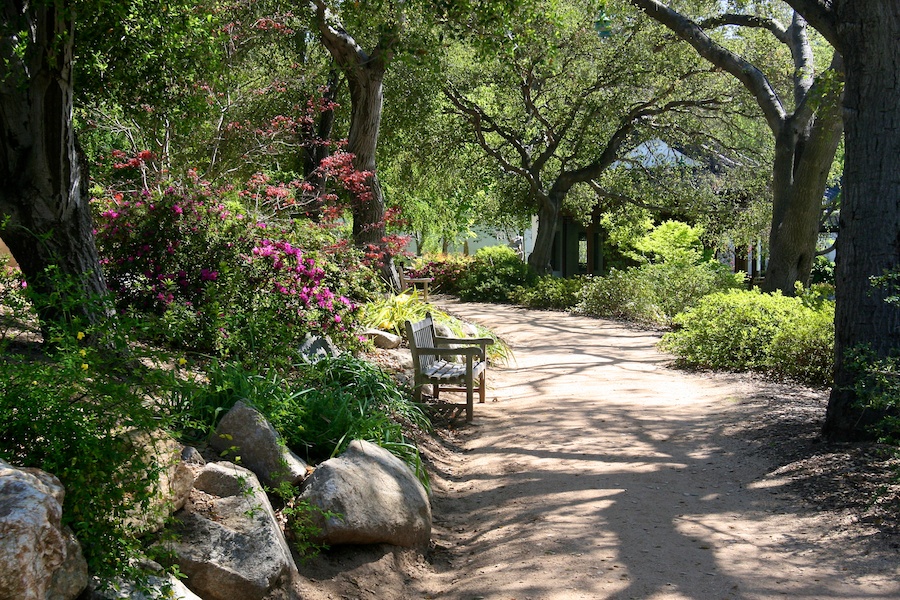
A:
x,y
421,335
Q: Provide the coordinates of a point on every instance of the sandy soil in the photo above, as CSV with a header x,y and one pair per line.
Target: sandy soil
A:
x,y
597,471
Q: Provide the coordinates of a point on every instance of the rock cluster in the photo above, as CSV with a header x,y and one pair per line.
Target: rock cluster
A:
x,y
230,543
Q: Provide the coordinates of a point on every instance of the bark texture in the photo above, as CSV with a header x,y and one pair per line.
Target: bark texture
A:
x,y
869,230
45,214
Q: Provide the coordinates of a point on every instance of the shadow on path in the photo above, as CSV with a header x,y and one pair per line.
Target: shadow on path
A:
x,y
600,473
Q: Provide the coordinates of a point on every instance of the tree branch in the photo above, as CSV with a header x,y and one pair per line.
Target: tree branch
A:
x,y
819,14
482,123
751,77
777,29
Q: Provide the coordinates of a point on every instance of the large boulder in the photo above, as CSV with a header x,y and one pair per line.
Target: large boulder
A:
x,y
375,496
33,543
230,545
176,479
244,432
72,575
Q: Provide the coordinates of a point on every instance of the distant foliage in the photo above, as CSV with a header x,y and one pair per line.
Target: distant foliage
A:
x,y
750,330
495,275
676,272
822,271
554,293
655,293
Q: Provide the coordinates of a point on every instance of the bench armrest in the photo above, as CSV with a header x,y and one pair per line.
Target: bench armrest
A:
x,y
449,340
473,351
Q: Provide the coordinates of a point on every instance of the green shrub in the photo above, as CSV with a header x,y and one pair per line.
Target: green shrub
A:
x,y
877,386
550,292
654,293
822,271
495,275
318,410
348,398
750,330
76,412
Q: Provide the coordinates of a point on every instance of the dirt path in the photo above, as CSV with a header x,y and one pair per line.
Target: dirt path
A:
x,y
598,473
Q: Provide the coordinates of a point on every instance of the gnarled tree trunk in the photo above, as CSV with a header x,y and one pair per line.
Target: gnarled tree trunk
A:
x,y
44,205
365,77
548,218
802,163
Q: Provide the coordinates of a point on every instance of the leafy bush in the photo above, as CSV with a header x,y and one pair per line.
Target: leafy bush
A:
x,y
877,386
750,330
555,293
447,271
318,410
672,241
76,413
654,293
494,276
803,347
822,271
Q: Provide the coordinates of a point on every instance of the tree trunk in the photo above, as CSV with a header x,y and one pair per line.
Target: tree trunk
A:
x,y
365,76
316,149
868,241
800,174
45,214
542,253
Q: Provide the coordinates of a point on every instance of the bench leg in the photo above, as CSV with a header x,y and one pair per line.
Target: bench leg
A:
x,y
417,391
481,388
470,393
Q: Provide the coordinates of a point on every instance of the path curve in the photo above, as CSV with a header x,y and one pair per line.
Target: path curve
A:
x,y
594,471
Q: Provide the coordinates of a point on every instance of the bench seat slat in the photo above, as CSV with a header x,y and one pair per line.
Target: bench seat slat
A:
x,y
433,368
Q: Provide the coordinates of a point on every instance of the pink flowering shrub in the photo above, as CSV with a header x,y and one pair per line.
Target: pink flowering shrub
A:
x,y
208,278
446,270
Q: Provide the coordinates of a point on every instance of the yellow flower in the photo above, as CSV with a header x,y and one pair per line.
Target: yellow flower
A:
x,y
80,335
182,362
84,366
82,352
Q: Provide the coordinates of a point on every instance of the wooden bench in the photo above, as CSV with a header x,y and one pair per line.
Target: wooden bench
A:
x,y
433,362
408,282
